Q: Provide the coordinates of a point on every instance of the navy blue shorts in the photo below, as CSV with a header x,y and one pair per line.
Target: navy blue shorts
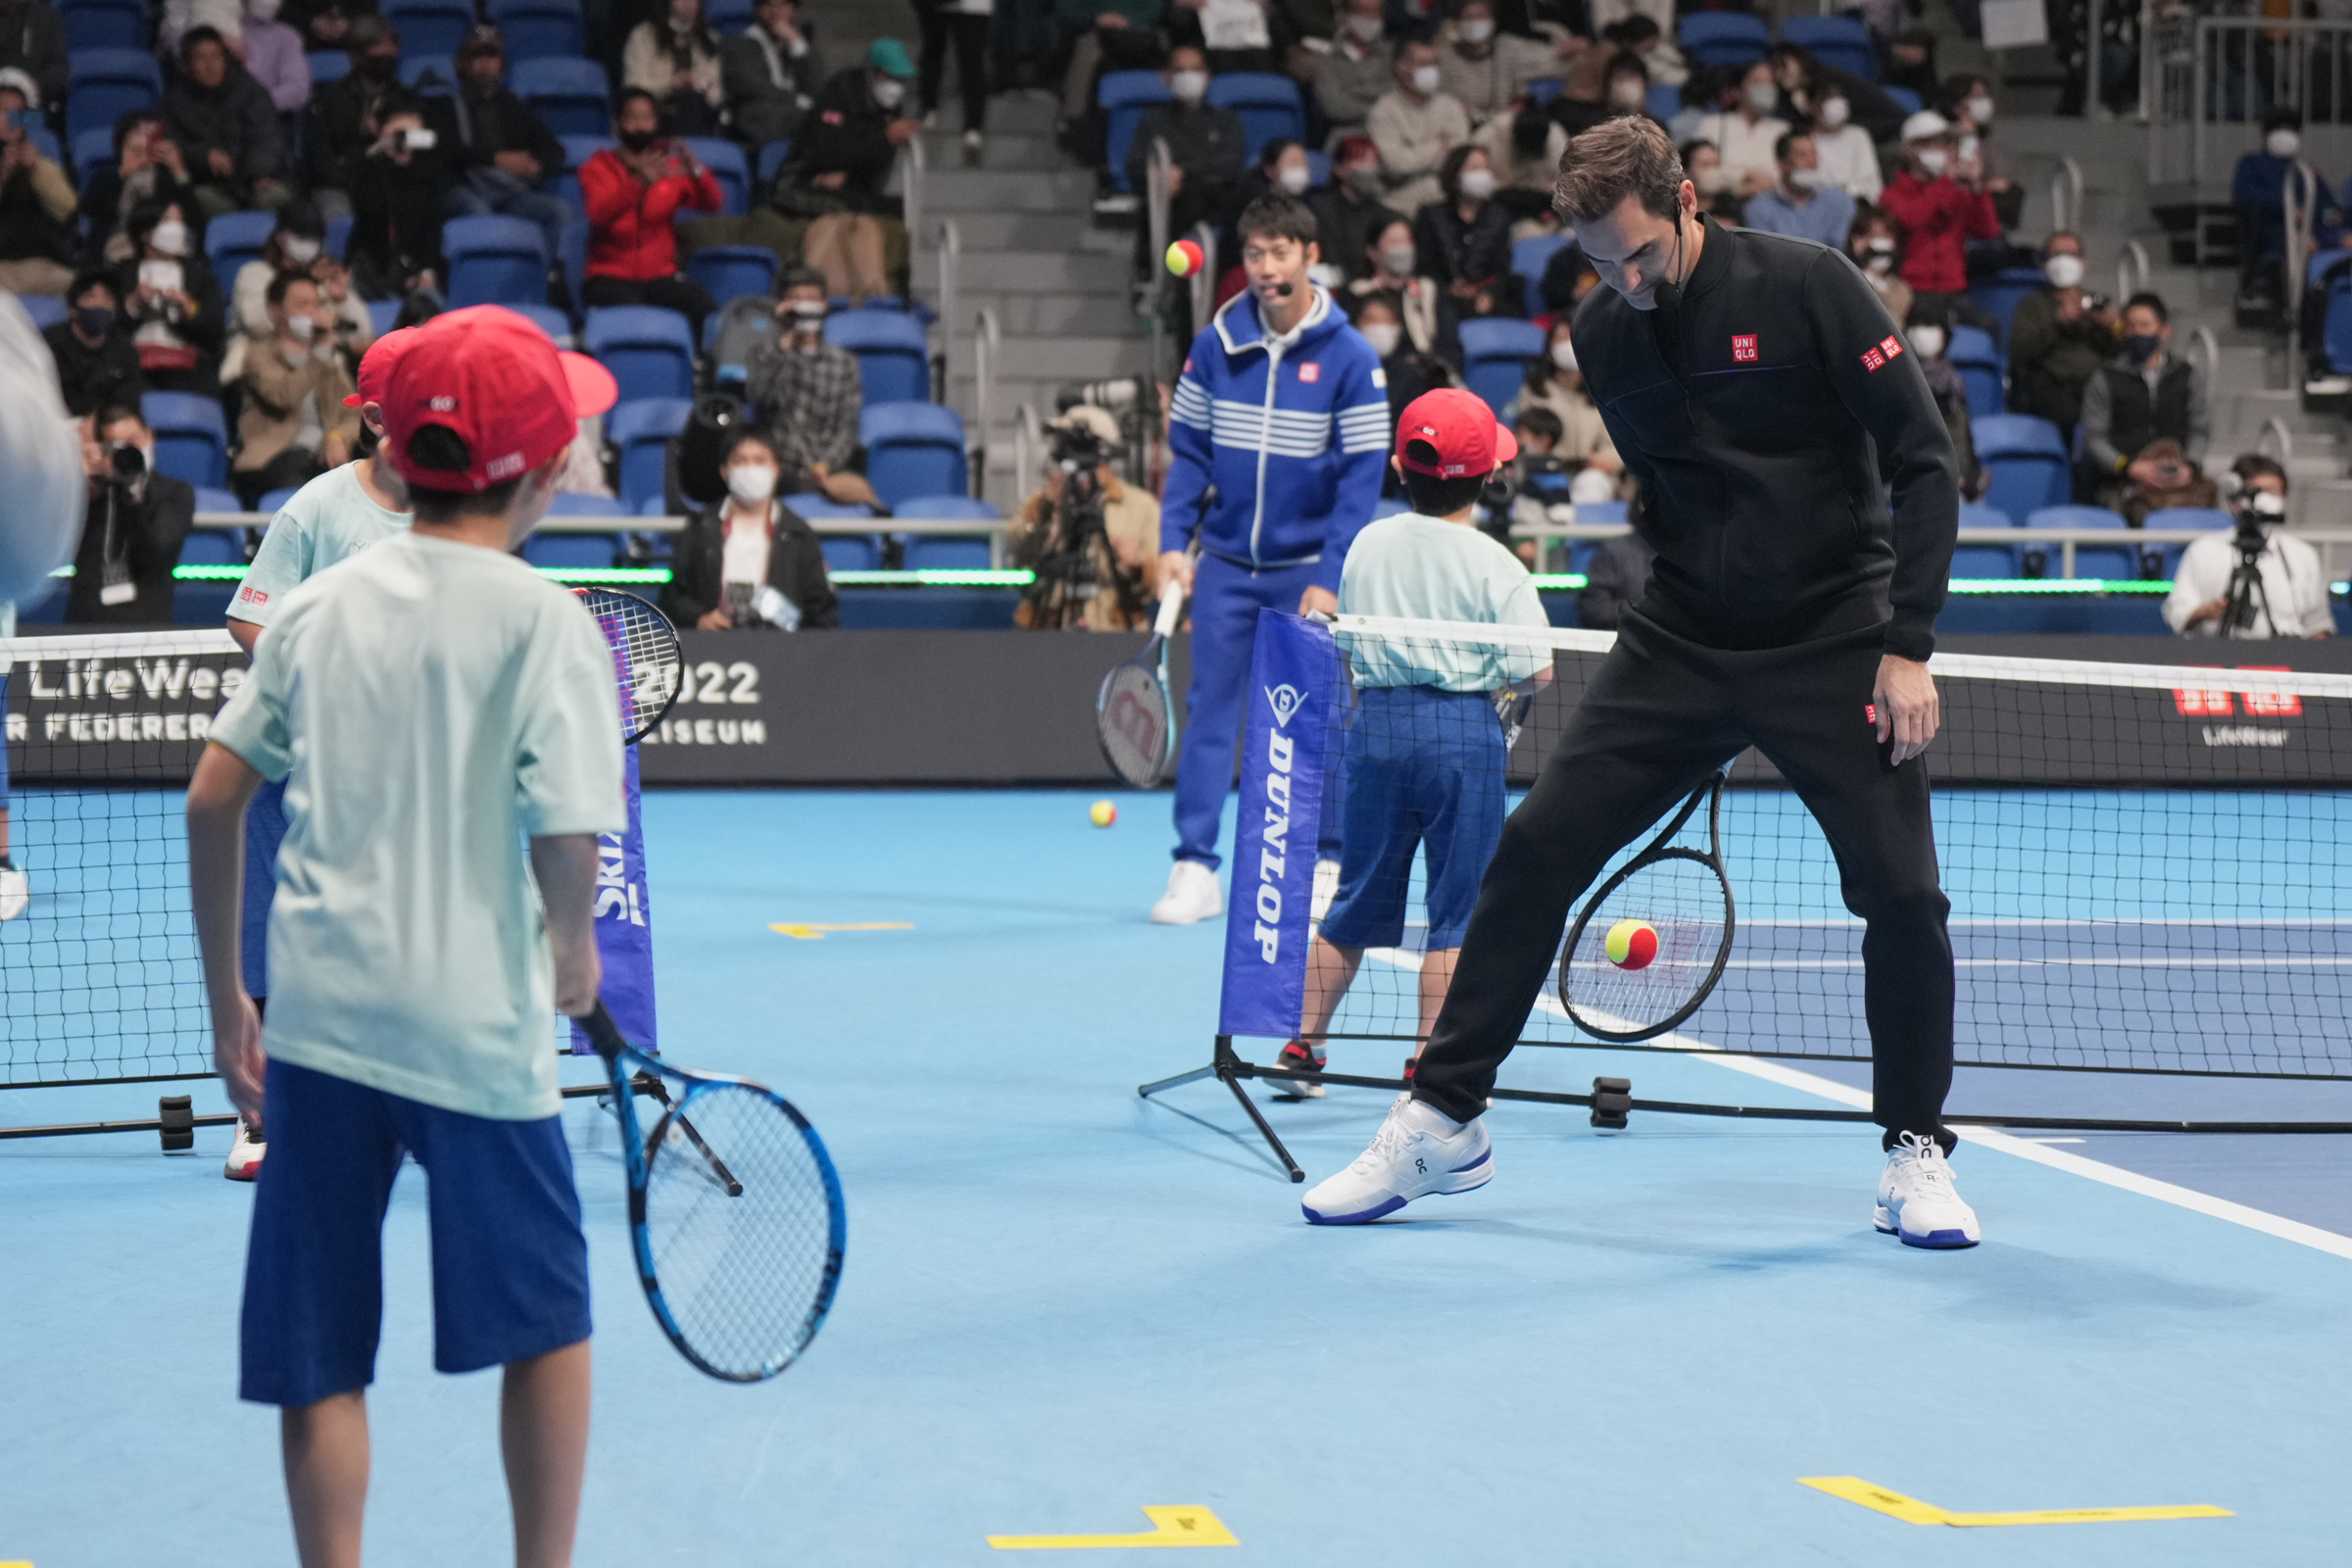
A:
x,y
265,831
1424,769
509,1260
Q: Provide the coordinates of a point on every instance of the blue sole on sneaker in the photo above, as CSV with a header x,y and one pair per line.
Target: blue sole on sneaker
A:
x,y
1386,1206
1939,1240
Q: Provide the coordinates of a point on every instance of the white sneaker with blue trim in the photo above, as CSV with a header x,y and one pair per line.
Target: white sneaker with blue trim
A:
x,y
1917,1202
1417,1152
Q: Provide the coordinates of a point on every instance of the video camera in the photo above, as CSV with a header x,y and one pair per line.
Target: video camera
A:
x,y
125,465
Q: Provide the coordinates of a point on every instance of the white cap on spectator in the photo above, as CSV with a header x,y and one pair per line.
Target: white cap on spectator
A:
x,y
14,76
1087,417
1925,124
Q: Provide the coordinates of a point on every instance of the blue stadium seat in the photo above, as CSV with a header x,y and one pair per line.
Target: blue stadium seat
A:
x,y
730,272
772,155
580,552
639,431
1268,104
850,552
1723,37
2162,559
2335,328
1841,40
105,25
1972,353
2092,559
649,350
1904,99
726,160
1975,515
495,260
1495,355
1985,561
569,505
554,322
946,553
44,142
535,29
213,547
327,65
103,84
2000,293
1123,97
234,238
577,150
429,76
273,501
571,95
729,17
1665,102
191,438
1544,90
381,314
429,27
913,449
211,498
2027,459
894,357
1529,257
338,235
46,310
91,147
572,254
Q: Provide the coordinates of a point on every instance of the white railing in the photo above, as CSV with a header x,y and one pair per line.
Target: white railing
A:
x,y
2132,273
2205,354
987,345
2066,197
910,171
2214,79
1205,281
1028,451
951,294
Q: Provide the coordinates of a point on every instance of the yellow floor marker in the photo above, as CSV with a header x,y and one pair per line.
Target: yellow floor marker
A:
x,y
800,931
1853,1489
1174,1526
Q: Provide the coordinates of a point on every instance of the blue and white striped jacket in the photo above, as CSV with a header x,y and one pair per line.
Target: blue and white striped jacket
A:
x,y
1290,435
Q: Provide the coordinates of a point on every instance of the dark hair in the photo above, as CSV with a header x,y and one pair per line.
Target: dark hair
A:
x,y
1450,172
302,220
2058,234
1689,149
284,283
1356,146
1784,50
1961,87
129,121
1385,298
1631,157
90,278
2154,302
437,446
1431,496
1788,139
1541,424
1704,87
483,38
2253,465
1271,153
116,413
367,30
744,433
146,215
1561,275
191,39
622,98
1630,30
419,306
802,278
2282,119
1277,215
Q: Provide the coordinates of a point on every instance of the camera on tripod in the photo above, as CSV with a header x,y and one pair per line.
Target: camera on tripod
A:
x,y
1070,549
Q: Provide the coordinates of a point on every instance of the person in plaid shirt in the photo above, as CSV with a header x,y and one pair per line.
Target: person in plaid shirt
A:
x,y
805,395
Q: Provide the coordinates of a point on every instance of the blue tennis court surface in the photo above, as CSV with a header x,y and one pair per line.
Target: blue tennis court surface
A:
x,y
1062,1303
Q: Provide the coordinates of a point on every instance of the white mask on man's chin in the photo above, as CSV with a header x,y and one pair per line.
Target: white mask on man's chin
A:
x,y
1189,86
1384,336
1476,29
889,92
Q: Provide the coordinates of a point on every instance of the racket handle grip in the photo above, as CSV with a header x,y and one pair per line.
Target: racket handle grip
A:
x,y
1171,611
603,1033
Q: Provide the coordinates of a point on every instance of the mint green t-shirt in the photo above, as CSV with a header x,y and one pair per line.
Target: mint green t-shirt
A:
x,y
431,705
1415,567
329,519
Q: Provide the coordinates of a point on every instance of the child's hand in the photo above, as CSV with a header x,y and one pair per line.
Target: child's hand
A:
x,y
237,1056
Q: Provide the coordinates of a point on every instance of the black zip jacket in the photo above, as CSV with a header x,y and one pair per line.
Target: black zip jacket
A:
x,y
796,568
1768,410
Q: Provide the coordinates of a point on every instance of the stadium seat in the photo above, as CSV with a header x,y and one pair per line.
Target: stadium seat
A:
x,y
1975,515
913,449
1972,353
44,142
730,272
381,314
772,155
1268,104
2027,459
1841,40
429,27
1723,37
568,504
103,84
639,431
554,322
1318,169
2113,561
1495,355
1123,97
579,552
726,160
105,25
572,254
577,150
495,260
92,147
536,29
946,553
2335,328
730,17
338,235
894,357
1544,90
2000,293
274,501
46,310
213,547
571,95
649,350
1985,561
1529,257
234,238
327,66
429,76
191,438
1665,100
850,552
2188,517
211,498
1904,99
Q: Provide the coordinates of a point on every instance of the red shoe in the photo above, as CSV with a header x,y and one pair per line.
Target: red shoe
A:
x,y
1298,1056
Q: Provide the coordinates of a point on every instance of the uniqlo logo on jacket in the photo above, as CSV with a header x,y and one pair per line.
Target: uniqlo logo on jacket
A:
x,y
1743,348
1890,346
1310,371
1873,360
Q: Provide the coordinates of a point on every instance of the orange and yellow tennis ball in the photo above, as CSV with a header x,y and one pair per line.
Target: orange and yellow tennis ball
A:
x,y
1185,257
1103,813
1631,944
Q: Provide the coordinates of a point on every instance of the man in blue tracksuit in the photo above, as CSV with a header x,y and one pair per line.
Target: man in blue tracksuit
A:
x,y
1277,436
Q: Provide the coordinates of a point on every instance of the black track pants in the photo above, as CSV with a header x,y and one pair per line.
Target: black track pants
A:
x,y
1662,714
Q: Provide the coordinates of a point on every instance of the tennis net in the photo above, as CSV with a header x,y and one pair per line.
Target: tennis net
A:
x,y
2150,867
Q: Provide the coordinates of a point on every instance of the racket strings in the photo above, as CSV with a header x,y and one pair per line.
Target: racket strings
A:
x,y
1681,902
1134,725
647,663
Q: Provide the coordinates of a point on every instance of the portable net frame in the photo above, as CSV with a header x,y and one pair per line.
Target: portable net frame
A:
x,y
2149,868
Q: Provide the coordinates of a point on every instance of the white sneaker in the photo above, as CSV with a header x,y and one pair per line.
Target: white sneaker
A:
x,y
245,1154
1327,887
2327,386
16,892
1916,1201
1192,896
1412,1156
1298,1056
974,145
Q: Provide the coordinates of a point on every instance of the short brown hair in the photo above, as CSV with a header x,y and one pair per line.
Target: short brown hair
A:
x,y
1630,156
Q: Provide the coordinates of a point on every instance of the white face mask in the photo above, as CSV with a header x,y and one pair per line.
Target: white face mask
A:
x,y
1879,255
1834,113
1806,178
1627,92
1399,259
1478,183
2282,144
1189,86
302,252
752,482
1384,336
1926,340
2063,271
1476,29
1424,80
302,328
1933,161
1979,110
887,91
1364,30
1968,147
1762,96
1563,355
1293,178
170,238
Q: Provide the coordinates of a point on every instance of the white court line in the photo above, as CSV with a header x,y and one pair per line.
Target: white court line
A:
x,y
2188,1198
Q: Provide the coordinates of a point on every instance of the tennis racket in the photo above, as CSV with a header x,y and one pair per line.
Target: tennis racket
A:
x,y
735,1213
1134,717
1651,945
647,663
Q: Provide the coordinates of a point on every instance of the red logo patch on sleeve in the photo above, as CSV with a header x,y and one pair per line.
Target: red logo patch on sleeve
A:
x,y
1890,346
1743,348
1873,360
1310,371
832,117
252,595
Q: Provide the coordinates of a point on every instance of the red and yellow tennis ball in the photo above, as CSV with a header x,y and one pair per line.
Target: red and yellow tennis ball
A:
x,y
1103,813
1185,257
1631,944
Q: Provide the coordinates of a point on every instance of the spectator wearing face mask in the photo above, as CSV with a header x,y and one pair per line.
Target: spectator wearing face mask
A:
x,y
804,395
1646,26
675,58
1465,239
148,168
1567,278
843,157
32,40
1806,82
2057,340
1410,372
1281,167
772,73
1803,203
1744,131
1485,71
1128,549
1929,333
96,364
748,561
272,52
228,127
1416,124
2258,191
298,240
1875,244
1968,104
1556,385
346,117
1100,36
1940,206
1847,157
2293,600
1349,210
295,425
1351,77
2144,402
1395,273
36,199
136,522
495,145
1610,79
1910,63
1204,143
172,302
634,193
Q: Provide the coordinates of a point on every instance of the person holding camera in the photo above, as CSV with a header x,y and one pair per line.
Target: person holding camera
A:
x,y
397,202
2060,338
2258,582
1090,538
804,393
634,192
748,561
131,534
2145,421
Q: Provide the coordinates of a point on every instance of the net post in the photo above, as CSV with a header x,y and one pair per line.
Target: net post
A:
x,y
1231,1069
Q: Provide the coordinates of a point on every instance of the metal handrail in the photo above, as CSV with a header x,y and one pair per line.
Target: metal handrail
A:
x,y
2276,426
951,293
1205,281
1028,444
2202,338
987,345
2132,271
2065,196
910,184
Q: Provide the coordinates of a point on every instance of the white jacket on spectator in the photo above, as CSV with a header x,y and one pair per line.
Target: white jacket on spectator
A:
x,y
1413,140
2292,582
1850,161
1743,146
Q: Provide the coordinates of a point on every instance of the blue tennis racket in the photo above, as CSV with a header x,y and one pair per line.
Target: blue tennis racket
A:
x,y
735,1213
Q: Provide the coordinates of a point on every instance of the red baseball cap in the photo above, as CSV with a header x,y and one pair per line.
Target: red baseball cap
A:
x,y
1461,430
494,378
376,366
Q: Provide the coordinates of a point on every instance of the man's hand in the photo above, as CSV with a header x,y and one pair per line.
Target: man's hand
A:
x,y
1318,598
2213,608
237,1055
1175,566
221,164
715,620
832,179
1907,707
523,166
1175,180
902,131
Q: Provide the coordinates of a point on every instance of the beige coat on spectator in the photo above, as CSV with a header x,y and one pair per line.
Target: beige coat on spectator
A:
x,y
1413,140
274,394
251,327
1744,146
1489,85
646,64
41,274
1349,81
1582,435
1131,521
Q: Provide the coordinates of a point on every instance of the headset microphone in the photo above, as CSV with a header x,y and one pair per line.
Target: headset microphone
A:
x,y
1285,290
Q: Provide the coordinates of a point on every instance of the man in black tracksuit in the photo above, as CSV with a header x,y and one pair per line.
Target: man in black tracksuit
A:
x,y
1765,400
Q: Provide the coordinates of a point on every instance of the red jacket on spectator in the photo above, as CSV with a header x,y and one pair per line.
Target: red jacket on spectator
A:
x,y
1937,217
628,220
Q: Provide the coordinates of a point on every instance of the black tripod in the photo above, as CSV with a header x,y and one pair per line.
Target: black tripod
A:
x,y
2247,595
